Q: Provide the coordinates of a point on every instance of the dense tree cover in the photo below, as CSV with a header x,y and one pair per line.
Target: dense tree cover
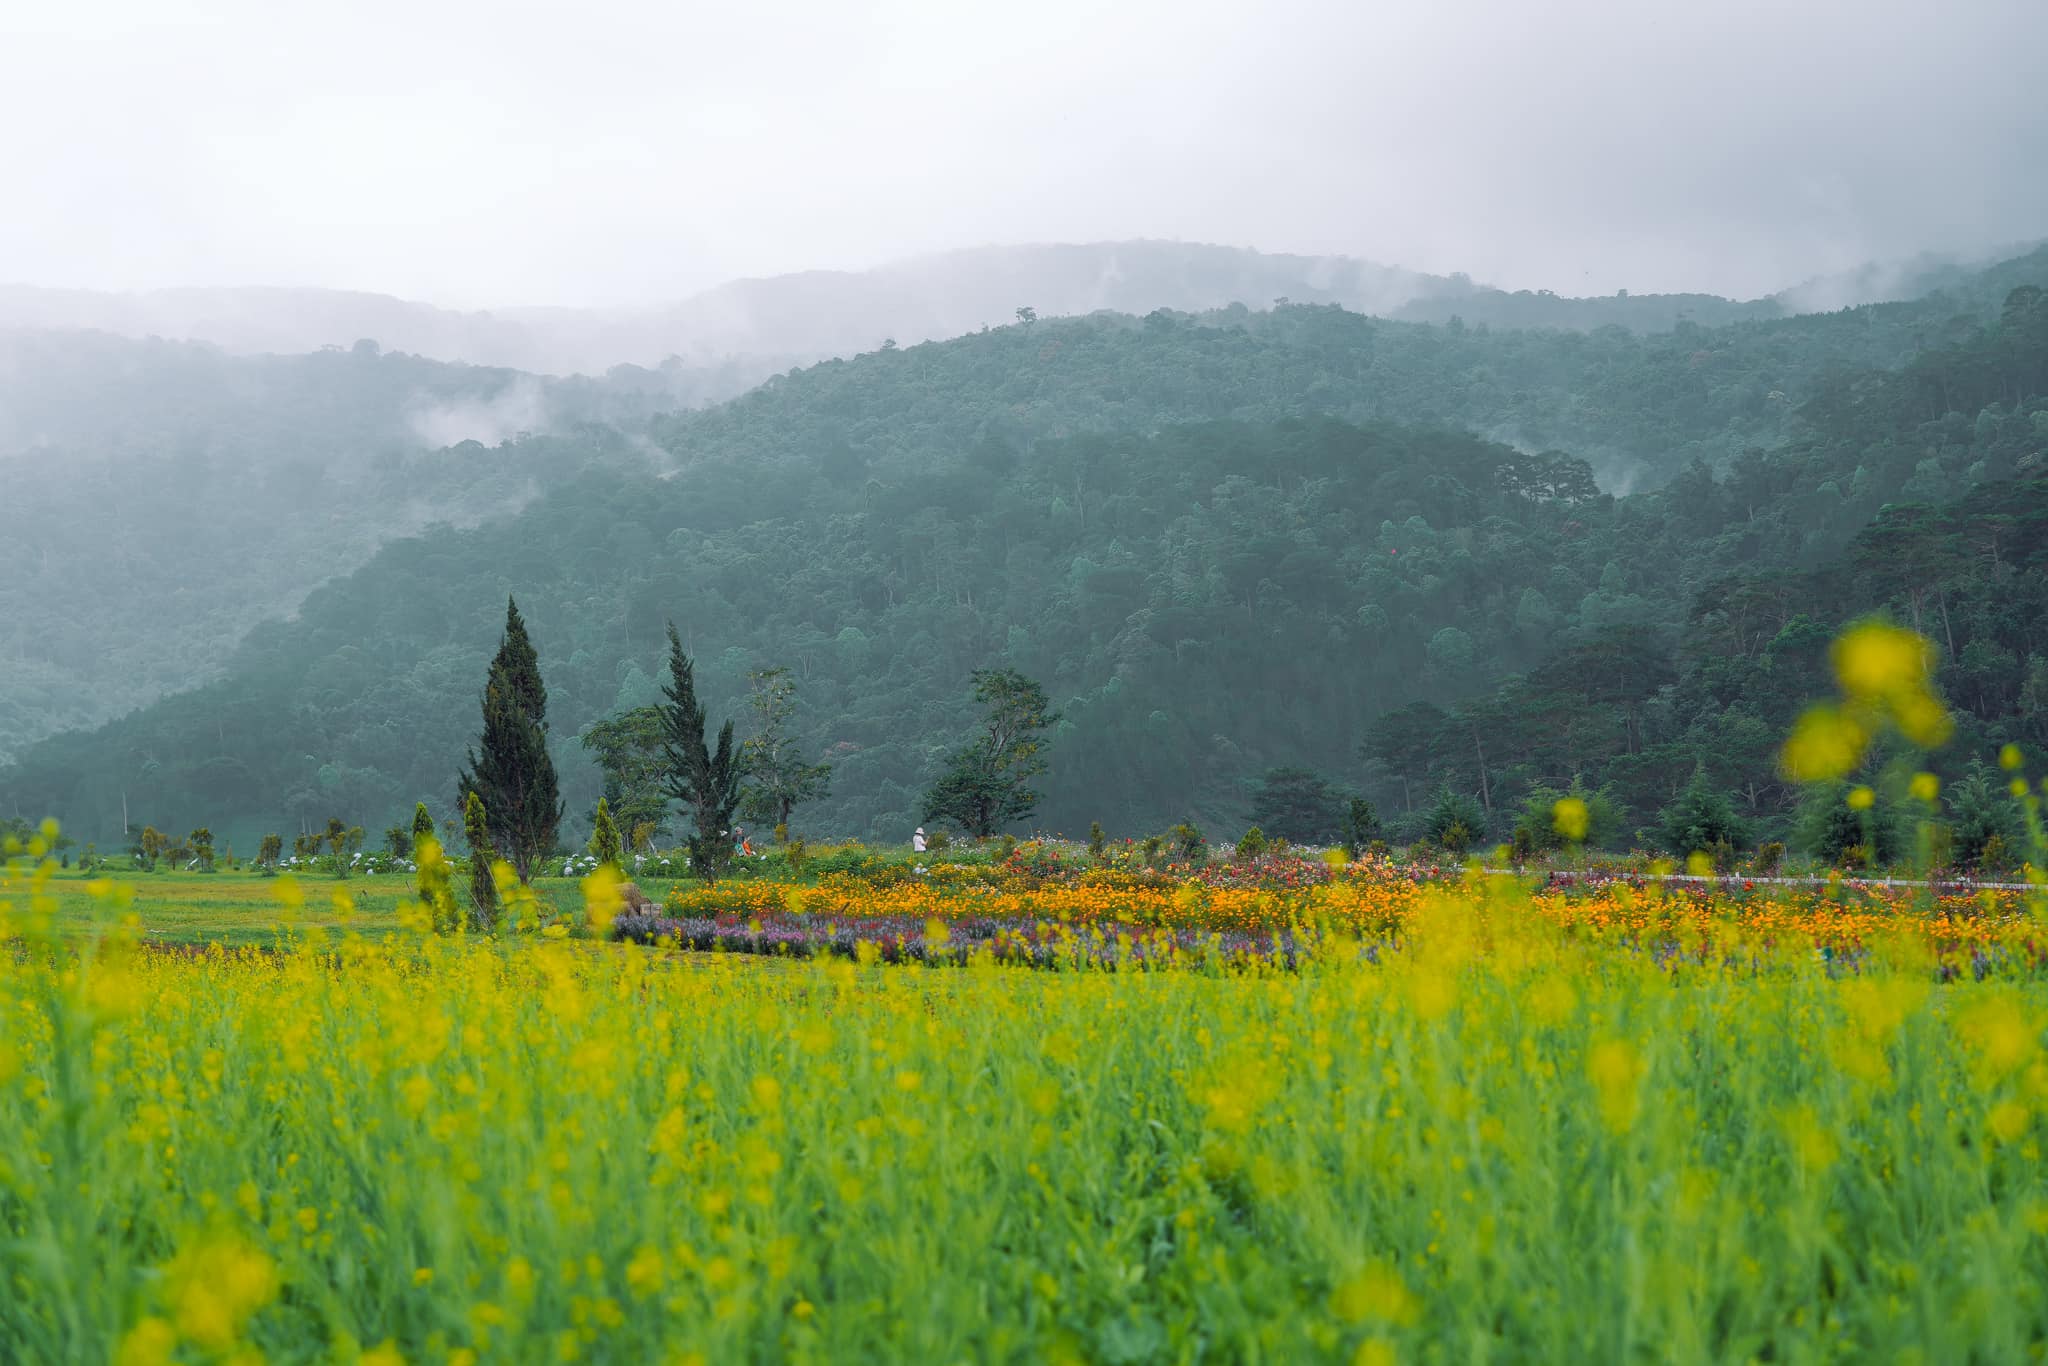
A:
x,y
1300,805
1638,408
1781,552
1962,289
1545,308
1200,604
1203,602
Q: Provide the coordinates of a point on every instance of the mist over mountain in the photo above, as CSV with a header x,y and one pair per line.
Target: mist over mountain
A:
x,y
162,497
756,325
724,340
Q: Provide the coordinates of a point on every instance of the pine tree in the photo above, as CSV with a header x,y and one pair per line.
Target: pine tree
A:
x,y
1361,826
483,889
1455,822
510,770
707,783
604,839
521,665
1701,820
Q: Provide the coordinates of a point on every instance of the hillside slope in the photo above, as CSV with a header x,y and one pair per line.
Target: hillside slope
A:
x,y
163,497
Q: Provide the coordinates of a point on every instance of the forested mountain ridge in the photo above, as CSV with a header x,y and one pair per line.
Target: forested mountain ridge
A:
x,y
298,467
1638,407
95,394
1203,601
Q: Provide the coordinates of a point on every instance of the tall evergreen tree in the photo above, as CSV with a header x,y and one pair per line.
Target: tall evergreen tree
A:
x,y
422,823
705,781
510,770
521,665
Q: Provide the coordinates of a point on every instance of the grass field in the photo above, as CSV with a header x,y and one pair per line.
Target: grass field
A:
x,y
241,907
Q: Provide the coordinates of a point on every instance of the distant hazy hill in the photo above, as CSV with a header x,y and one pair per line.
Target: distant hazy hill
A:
x,y
1973,283
767,324
932,297
721,342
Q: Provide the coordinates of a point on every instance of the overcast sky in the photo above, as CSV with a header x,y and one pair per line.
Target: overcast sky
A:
x,y
479,152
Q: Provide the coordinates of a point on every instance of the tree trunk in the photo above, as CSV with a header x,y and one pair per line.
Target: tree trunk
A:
x,y
1485,788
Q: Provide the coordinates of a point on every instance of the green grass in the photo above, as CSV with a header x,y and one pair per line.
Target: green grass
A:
x,y
242,907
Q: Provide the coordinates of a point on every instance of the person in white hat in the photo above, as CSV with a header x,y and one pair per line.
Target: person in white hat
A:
x,y
917,841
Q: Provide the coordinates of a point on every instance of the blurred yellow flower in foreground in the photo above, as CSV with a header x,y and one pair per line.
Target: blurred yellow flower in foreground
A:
x,y
1826,743
1886,674
1616,1072
1878,660
1375,1294
214,1288
1571,818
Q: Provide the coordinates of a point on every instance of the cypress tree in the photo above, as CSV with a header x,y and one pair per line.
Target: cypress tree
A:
x,y
604,839
706,782
483,890
422,824
510,770
436,892
521,666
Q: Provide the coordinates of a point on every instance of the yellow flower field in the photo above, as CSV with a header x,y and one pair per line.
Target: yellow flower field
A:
x,y
1497,1125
